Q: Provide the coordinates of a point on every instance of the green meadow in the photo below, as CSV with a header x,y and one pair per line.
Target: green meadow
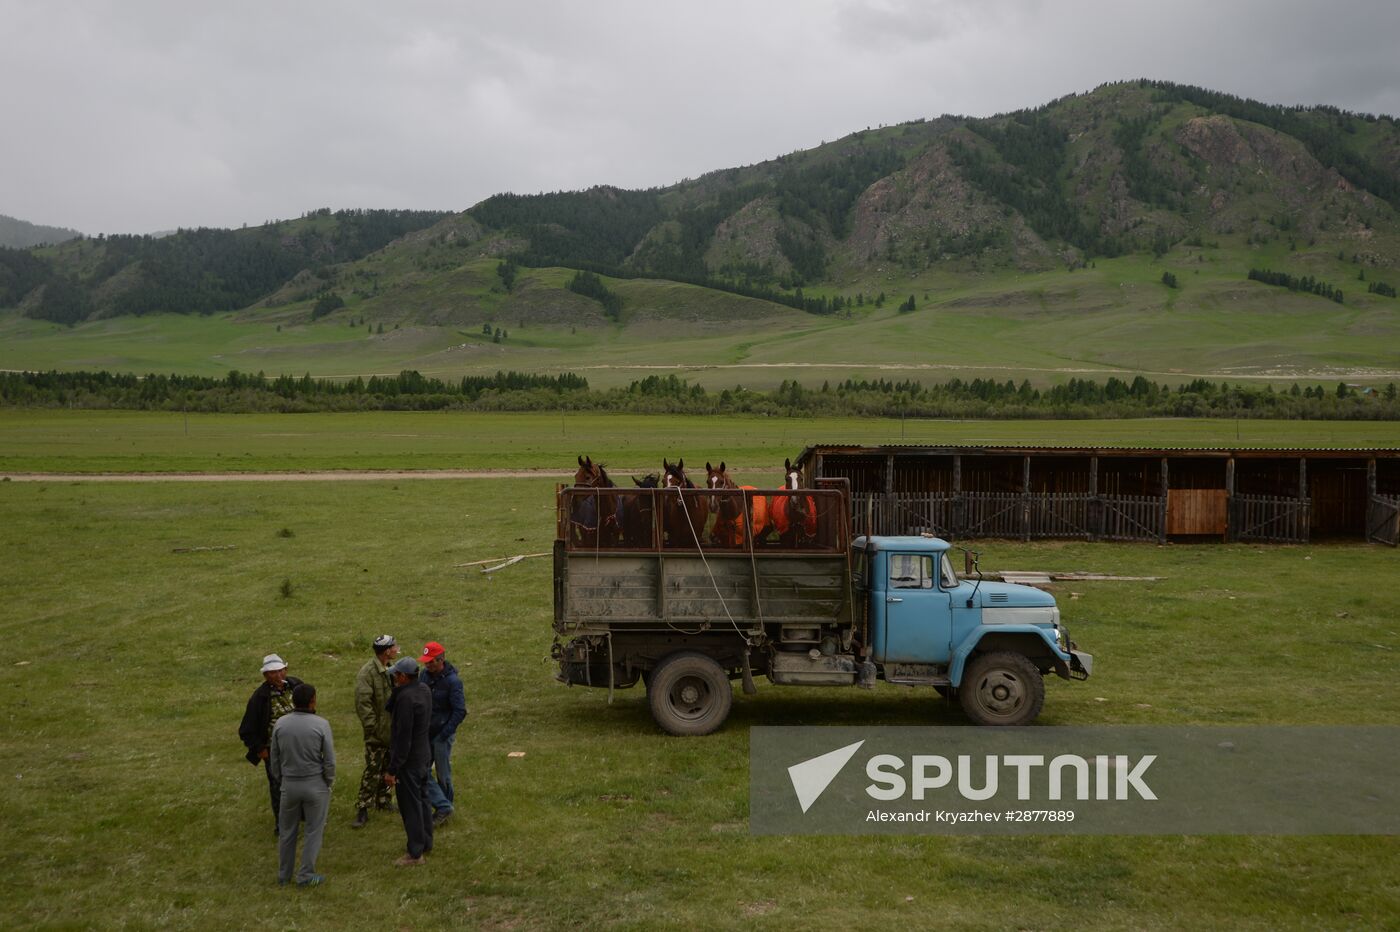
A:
x,y
140,441
129,804
1115,318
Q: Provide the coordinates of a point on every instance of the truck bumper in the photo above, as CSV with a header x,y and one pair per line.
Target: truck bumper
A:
x,y
1078,667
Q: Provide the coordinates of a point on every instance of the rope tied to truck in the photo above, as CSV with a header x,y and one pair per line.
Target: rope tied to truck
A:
x,y
699,547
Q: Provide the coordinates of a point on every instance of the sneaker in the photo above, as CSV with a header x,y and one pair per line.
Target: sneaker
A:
x,y
361,819
315,880
441,816
408,861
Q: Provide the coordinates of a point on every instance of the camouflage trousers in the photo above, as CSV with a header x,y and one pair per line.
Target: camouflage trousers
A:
x,y
373,790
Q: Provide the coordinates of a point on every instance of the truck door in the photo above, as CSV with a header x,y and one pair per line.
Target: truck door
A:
x,y
918,614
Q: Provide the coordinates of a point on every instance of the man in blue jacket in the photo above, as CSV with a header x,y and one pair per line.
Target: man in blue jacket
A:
x,y
449,709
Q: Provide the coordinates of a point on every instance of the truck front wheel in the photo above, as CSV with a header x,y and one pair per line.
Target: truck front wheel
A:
x,y
689,694
1002,688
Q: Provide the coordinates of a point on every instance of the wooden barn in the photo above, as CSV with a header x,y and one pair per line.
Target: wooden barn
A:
x,y
1117,493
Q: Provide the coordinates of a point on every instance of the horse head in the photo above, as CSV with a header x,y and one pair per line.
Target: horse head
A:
x,y
792,476
718,478
675,477
649,481
587,472
592,475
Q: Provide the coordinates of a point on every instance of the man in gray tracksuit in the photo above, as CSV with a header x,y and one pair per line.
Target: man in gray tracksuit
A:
x,y
302,757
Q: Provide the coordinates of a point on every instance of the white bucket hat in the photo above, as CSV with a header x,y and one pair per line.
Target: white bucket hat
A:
x,y
272,662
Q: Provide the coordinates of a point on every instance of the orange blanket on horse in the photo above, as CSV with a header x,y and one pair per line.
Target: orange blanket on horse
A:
x,y
777,513
783,512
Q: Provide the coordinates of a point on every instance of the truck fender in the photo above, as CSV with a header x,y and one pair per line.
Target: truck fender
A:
x,y
969,644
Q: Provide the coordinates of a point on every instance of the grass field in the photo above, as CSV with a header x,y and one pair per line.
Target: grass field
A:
x,y
133,441
1116,318
130,803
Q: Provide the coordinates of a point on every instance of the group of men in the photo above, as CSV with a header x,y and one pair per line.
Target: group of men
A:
x,y
410,718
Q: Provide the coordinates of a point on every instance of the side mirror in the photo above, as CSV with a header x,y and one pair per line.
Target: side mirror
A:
x,y
967,562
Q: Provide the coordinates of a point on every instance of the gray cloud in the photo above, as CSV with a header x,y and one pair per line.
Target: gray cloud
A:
x,y
147,114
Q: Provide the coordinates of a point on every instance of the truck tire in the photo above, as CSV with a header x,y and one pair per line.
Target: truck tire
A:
x,y
689,694
1002,688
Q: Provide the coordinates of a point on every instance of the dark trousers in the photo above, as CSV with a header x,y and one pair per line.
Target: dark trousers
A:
x,y
274,789
415,811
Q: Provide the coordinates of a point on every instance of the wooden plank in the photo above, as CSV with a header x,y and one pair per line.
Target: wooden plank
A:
x,y
1196,511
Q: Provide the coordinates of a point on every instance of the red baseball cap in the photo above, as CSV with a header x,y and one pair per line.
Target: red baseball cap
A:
x,y
431,651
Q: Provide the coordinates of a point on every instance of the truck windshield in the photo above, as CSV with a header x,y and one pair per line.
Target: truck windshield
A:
x,y
950,576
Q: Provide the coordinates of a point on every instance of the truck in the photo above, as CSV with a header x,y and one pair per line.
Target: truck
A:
x,y
686,591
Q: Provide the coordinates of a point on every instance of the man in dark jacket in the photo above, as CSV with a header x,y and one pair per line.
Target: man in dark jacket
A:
x,y
269,702
449,709
410,756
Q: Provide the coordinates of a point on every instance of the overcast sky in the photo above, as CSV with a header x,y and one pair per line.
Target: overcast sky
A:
x,y
144,115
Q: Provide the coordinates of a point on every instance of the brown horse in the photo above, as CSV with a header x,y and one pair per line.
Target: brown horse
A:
x,y
792,517
684,509
635,513
728,529
587,518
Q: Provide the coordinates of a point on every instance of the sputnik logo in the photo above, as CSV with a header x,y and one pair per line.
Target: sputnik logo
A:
x,y
811,777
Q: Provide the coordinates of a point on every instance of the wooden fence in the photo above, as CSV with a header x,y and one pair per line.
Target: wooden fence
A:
x,y
1383,519
1009,515
1270,519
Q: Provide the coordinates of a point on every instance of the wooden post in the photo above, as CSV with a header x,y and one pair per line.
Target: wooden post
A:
x,y
890,513
1095,506
955,515
817,466
1230,523
1026,498
1372,489
1303,501
1165,489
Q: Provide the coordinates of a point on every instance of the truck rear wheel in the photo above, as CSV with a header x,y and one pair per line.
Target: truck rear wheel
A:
x,y
1002,688
689,694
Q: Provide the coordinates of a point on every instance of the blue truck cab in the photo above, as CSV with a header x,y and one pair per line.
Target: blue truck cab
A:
x,y
989,644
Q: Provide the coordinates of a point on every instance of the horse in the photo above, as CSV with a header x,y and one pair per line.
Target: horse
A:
x,y
684,514
634,512
793,517
584,525
728,529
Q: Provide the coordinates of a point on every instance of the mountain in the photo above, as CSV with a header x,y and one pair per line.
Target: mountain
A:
x,y
21,234
192,271
1134,167
1161,171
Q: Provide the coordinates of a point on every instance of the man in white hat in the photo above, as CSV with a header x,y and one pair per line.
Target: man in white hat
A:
x,y
372,690
269,702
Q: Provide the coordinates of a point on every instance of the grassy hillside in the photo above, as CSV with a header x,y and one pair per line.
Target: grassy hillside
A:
x,y
1113,317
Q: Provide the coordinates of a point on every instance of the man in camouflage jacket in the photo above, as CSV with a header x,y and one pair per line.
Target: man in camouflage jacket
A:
x,y
372,691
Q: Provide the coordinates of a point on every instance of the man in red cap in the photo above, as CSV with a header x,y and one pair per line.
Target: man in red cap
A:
x,y
449,709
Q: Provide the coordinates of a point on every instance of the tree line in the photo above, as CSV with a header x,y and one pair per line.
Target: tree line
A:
x,y
239,392
1306,284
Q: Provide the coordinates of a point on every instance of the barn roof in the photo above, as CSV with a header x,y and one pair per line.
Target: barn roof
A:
x,y
1238,451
